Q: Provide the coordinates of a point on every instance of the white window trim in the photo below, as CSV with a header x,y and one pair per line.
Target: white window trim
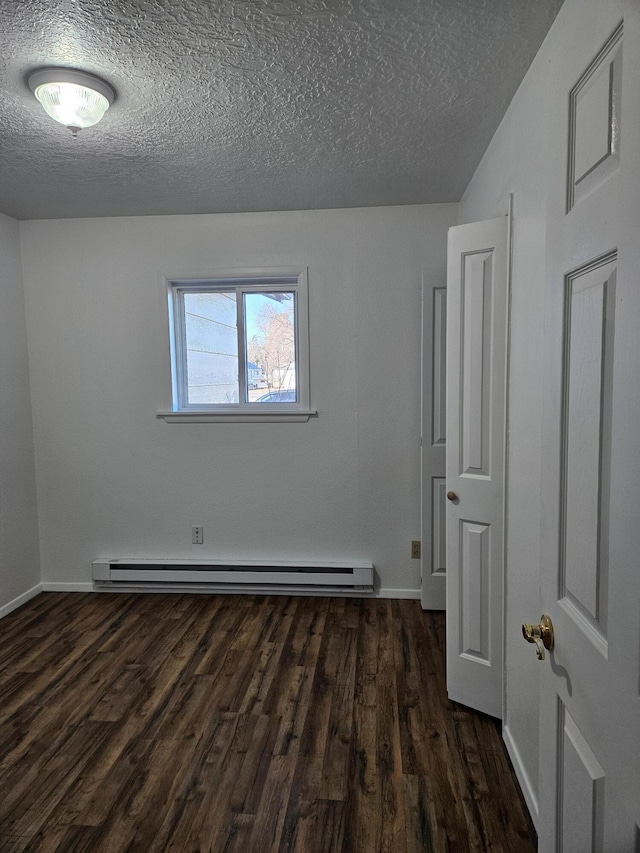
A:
x,y
259,280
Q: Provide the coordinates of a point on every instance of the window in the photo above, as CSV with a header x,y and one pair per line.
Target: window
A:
x,y
239,347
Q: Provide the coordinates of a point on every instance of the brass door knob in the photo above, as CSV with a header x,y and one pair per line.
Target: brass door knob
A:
x,y
451,496
541,635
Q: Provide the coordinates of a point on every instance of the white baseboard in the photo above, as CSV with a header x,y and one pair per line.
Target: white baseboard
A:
x,y
397,593
20,600
57,586
528,791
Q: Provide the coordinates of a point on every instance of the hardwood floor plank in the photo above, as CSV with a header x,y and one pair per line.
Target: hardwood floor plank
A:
x,y
389,758
79,839
242,724
201,809
422,825
429,734
362,820
257,765
270,817
106,778
36,795
320,830
310,772
237,839
340,675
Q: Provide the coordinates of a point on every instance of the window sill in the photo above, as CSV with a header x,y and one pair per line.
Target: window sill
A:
x,y
237,417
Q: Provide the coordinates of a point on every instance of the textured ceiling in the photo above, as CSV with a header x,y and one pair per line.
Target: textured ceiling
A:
x,y
240,105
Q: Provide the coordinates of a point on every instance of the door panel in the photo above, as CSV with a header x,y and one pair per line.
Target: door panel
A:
x,y
475,605
434,410
475,340
581,785
594,121
590,580
477,278
439,369
438,526
586,439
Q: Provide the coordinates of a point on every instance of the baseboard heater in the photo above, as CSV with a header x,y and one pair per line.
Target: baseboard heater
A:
x,y
352,578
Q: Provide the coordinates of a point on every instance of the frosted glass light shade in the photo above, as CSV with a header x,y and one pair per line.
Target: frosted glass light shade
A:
x,y
74,98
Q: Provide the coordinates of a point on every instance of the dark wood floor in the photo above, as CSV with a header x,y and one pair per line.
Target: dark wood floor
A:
x,y
238,723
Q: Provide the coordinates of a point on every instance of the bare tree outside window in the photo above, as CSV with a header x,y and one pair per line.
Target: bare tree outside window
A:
x,y
272,345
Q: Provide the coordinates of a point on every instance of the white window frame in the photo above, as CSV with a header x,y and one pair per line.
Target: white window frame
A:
x,y
242,282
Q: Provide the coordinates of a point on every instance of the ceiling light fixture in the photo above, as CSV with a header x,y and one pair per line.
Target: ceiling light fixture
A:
x,y
74,98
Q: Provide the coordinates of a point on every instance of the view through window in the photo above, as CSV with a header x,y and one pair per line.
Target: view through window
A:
x,y
213,346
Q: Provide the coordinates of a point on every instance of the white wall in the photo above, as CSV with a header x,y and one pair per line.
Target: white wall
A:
x,y
113,481
19,559
516,161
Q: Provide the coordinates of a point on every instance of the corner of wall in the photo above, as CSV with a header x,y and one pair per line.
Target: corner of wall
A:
x,y
19,533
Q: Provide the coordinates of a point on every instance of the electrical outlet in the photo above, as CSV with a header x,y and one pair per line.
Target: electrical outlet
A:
x,y
416,549
197,535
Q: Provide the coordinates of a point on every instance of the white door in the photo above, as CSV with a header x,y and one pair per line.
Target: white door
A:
x,y
590,688
434,410
477,278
